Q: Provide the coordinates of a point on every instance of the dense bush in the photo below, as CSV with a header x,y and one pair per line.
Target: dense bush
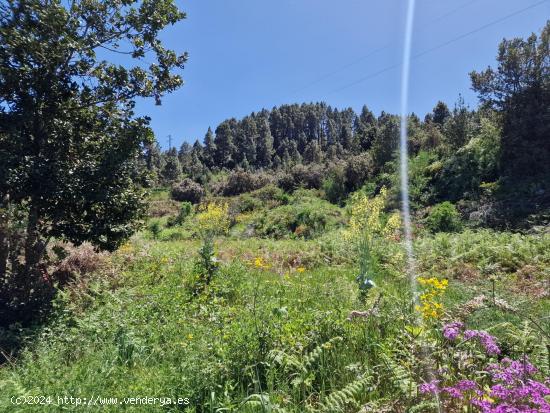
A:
x,y
271,193
335,186
239,182
186,209
163,207
305,217
302,176
187,190
357,171
77,262
471,165
444,218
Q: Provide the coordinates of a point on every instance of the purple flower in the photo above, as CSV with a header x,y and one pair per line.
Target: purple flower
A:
x,y
430,387
465,385
487,341
453,392
468,334
451,330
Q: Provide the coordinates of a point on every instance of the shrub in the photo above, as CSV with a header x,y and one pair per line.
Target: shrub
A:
x,y
78,262
285,181
213,220
163,207
239,182
245,203
357,171
305,218
188,190
444,217
270,193
309,177
155,229
335,186
186,209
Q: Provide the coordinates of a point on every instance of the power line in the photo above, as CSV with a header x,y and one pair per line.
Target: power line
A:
x,y
439,46
373,52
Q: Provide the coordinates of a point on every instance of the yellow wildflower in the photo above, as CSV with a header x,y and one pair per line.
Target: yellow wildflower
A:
x,y
260,263
366,218
431,307
214,219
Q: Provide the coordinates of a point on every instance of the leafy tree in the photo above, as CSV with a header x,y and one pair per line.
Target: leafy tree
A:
x,y
520,89
335,185
69,138
477,162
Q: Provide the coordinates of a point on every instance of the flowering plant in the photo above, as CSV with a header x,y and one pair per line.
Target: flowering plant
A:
x,y
507,386
430,300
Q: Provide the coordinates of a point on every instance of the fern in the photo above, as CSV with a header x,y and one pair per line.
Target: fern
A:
x,y
424,407
399,375
541,358
260,403
350,395
315,354
293,364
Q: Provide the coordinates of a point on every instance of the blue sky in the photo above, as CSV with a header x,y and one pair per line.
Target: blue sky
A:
x,y
245,55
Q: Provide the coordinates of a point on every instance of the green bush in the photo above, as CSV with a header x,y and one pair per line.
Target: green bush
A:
x,y
358,169
302,176
444,218
187,190
335,188
304,218
155,229
240,182
185,210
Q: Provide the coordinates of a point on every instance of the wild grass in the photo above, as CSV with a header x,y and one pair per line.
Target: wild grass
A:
x,y
271,337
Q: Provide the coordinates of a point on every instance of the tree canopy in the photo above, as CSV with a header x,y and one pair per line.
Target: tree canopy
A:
x,y
70,74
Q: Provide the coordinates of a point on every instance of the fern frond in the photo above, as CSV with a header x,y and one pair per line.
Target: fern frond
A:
x,y
399,375
350,395
315,354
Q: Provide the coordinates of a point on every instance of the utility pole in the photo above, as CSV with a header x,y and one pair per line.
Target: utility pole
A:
x,y
169,142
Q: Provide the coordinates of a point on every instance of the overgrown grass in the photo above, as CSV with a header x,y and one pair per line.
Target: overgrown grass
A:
x,y
268,338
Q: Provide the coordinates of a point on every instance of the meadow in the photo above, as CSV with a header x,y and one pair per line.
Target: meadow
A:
x,y
271,317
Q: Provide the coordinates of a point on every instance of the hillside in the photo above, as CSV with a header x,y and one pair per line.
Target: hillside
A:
x,y
271,267
281,325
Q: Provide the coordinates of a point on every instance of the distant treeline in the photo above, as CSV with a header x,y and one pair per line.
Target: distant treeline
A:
x,y
500,147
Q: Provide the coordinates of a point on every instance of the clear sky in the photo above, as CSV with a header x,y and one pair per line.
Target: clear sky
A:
x,y
245,55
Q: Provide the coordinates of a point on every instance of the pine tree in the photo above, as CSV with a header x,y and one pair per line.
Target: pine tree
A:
x,y
225,148
264,148
171,172
313,154
209,149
